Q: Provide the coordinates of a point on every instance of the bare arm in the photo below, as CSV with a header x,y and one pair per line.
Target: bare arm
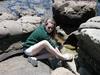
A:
x,y
57,49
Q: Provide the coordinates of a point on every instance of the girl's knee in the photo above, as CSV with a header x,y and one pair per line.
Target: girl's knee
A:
x,y
45,41
28,52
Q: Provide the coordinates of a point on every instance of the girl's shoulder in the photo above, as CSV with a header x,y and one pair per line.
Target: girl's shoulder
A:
x,y
40,27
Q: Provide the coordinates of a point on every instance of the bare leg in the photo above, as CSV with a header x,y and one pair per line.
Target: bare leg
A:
x,y
35,49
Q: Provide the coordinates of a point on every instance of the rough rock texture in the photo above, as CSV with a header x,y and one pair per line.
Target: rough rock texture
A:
x,y
91,23
30,19
23,25
7,16
89,45
70,14
61,71
20,66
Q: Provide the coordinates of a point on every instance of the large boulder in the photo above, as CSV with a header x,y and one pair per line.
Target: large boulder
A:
x,y
70,14
89,45
7,16
20,66
23,25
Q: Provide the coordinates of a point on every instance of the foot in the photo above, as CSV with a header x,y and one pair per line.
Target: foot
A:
x,y
33,61
68,57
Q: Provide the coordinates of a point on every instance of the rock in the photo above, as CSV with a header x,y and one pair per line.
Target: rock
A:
x,y
89,44
30,19
4,31
94,19
7,16
20,66
70,14
91,41
61,71
23,25
29,12
13,27
91,23
9,54
84,71
94,25
72,39
27,27
18,8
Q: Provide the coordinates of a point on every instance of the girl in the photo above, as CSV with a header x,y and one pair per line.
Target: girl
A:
x,y
42,40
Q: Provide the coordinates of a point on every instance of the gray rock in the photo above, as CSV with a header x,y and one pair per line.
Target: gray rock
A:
x,y
20,66
13,27
30,19
61,71
93,25
94,19
23,25
7,16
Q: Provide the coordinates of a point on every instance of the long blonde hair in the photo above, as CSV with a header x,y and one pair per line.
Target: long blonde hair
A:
x,y
54,23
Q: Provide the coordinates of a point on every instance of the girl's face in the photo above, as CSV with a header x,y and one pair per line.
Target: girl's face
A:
x,y
49,26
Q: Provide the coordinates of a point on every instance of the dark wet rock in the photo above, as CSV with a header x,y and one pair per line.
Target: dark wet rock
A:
x,y
70,14
9,54
11,43
89,45
72,40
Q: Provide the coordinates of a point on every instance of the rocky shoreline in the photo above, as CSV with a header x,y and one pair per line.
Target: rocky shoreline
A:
x,y
18,19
